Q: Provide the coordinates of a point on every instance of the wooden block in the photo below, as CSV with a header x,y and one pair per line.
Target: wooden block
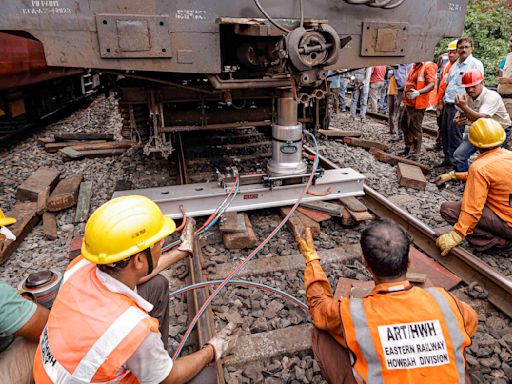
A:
x,y
75,247
360,216
314,214
71,153
363,143
232,222
306,221
26,218
81,147
323,206
45,140
295,226
338,133
96,154
65,194
84,202
394,160
415,277
353,204
49,226
411,176
34,188
54,147
42,198
347,219
77,136
247,239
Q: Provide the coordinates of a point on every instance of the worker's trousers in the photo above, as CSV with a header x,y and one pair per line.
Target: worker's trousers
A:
x,y
452,133
411,123
490,231
395,110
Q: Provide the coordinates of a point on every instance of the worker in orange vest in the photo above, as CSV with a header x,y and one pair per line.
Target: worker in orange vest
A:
x,y
99,329
395,334
419,94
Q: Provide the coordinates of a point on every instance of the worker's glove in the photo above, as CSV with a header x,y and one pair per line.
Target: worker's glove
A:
x,y
7,233
187,236
446,177
412,94
448,241
224,341
307,247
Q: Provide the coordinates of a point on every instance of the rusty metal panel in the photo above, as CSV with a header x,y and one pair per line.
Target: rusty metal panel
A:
x,y
384,39
133,36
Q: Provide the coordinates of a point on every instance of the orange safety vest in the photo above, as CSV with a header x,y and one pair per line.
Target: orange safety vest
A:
x,y
91,331
442,83
427,99
408,336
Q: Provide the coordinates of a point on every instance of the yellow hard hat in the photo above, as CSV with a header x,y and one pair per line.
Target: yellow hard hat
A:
x,y
6,220
124,227
486,133
452,46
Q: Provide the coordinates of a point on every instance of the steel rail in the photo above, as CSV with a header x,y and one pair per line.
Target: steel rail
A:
x,y
459,261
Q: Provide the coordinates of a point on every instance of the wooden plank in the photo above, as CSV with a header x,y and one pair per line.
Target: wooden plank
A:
x,y
97,153
353,204
42,198
247,239
323,206
54,147
84,202
232,222
38,185
78,136
45,140
26,217
105,145
75,247
49,226
394,160
314,214
411,176
360,216
306,221
65,193
347,219
363,143
338,133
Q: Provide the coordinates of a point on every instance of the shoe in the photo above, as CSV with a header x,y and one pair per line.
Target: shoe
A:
x,y
413,156
363,119
405,152
444,163
434,147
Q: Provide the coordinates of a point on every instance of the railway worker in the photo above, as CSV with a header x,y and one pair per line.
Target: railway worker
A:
x,y
481,102
377,82
395,334
419,94
360,81
337,87
505,80
396,95
100,327
452,133
452,55
484,217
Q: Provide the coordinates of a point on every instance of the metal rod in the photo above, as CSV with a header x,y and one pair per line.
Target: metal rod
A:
x,y
220,84
191,128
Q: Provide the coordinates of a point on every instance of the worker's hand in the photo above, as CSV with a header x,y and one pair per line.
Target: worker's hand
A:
x,y
307,247
412,94
448,241
224,341
460,119
461,101
187,236
505,80
446,177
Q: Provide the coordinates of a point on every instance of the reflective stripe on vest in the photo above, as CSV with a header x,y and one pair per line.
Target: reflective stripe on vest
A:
x,y
71,271
454,331
365,341
96,356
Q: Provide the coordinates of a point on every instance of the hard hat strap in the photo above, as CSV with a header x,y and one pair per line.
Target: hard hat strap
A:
x,y
147,252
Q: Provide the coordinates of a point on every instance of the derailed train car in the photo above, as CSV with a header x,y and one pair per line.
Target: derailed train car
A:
x,y
197,65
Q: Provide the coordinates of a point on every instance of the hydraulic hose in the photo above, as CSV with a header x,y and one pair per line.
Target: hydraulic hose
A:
x,y
245,261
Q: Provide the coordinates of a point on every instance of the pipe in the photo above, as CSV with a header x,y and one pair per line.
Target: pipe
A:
x,y
219,84
191,128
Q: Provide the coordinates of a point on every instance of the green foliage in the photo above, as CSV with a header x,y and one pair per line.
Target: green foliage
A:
x,y
488,24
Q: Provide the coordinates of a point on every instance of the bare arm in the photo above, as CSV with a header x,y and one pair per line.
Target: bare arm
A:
x,y
427,88
34,327
187,367
166,260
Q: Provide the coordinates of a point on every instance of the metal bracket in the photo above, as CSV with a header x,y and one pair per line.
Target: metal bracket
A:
x,y
384,39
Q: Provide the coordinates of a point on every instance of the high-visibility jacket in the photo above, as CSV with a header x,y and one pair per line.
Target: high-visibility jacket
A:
x,y
425,100
91,332
389,343
442,82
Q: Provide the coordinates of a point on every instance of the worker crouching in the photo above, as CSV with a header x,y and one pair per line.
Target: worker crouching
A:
x,y
100,328
397,333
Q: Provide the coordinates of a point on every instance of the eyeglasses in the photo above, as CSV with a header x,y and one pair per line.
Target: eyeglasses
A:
x,y
464,47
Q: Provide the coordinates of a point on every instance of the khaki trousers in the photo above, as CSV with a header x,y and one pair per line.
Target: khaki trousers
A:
x,y
17,361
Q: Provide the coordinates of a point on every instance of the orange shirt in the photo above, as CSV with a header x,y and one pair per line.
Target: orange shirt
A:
x,y
489,183
325,309
412,81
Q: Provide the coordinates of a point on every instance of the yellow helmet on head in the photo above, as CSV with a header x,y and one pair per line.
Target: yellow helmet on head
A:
x,y
4,220
124,227
452,46
486,133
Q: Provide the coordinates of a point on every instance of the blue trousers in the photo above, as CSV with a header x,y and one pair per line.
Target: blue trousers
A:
x,y
359,94
452,133
343,89
466,150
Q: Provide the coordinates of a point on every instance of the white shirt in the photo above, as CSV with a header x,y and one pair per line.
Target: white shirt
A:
x,y
454,77
490,103
151,363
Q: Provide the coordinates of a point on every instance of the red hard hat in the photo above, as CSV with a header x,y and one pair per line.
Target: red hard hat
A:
x,y
472,78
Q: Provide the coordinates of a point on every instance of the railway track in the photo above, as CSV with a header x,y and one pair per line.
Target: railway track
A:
x,y
261,344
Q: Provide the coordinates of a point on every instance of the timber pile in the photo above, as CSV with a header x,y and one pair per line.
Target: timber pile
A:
x,y
43,194
77,146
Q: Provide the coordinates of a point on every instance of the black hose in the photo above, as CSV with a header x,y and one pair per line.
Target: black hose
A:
x,y
275,24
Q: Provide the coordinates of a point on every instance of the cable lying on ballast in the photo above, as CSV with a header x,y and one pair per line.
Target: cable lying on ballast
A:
x,y
244,262
243,283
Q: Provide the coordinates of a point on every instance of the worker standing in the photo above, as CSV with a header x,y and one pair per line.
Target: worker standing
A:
x,y
452,133
505,80
484,217
377,82
396,95
118,340
397,333
360,81
419,94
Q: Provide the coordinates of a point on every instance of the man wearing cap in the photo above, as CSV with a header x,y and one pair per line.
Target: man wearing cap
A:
x,y
100,328
484,217
479,102
452,134
505,80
